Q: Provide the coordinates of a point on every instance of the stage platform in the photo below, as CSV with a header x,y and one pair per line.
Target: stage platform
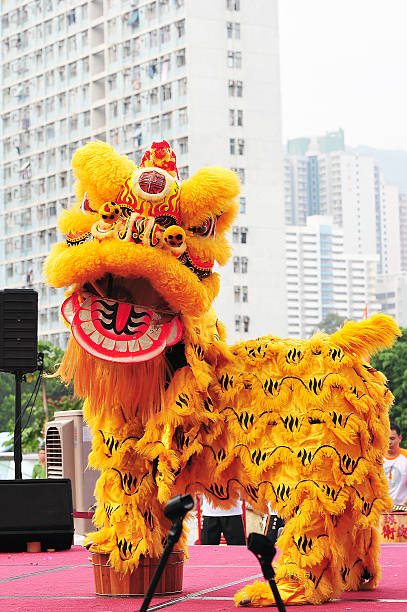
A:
x,y
34,582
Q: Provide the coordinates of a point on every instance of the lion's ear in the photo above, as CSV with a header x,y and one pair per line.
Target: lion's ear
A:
x,y
211,192
74,220
100,171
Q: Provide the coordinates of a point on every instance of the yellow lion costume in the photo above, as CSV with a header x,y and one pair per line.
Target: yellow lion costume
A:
x,y
301,424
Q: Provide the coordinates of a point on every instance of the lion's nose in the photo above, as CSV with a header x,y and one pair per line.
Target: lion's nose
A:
x,y
174,238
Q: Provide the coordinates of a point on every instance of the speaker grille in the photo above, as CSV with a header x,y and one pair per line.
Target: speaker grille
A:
x,y
54,453
18,330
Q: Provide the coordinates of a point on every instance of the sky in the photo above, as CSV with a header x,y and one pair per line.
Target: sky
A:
x,y
343,64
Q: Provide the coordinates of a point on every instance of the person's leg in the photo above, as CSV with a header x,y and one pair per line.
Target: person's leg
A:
x,y
233,530
273,527
211,531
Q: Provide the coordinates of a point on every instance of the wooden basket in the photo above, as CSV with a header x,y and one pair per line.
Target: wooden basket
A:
x,y
393,527
135,584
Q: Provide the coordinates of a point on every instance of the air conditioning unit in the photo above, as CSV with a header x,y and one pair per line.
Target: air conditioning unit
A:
x,y
67,447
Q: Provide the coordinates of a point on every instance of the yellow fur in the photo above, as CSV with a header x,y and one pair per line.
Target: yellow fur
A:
x,y
301,424
100,172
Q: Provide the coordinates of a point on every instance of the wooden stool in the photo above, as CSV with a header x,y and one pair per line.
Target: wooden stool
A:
x,y
108,582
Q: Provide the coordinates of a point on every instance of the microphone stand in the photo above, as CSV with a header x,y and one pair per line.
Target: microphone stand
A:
x,y
176,510
264,550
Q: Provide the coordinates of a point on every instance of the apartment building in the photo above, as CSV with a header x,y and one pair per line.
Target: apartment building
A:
x,y
391,292
322,277
129,73
403,230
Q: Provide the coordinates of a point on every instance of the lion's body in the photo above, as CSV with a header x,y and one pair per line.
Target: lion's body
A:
x,y
301,425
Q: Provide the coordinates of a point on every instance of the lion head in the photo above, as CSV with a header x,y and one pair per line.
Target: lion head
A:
x,y
139,251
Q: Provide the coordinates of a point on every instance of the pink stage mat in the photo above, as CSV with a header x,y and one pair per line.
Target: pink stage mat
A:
x,y
34,582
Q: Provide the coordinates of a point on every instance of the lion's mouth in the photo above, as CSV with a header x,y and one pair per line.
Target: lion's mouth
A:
x,y
121,331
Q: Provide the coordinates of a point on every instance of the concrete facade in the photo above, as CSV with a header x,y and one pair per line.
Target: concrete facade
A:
x,y
322,277
204,76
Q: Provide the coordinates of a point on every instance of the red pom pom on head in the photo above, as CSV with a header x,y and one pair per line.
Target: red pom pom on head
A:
x,y
160,155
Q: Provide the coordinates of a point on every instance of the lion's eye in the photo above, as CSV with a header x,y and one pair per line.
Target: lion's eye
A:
x,y
165,220
206,229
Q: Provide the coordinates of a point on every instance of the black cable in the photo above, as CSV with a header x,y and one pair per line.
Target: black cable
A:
x,y
34,391
32,407
33,398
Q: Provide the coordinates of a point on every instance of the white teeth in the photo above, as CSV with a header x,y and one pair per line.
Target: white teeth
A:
x,y
175,331
145,342
121,346
96,337
134,346
154,331
88,327
108,343
84,315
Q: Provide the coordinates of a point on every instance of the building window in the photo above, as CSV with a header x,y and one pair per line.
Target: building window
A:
x,y
238,323
166,92
182,87
180,26
72,70
235,88
243,235
245,293
182,116
246,323
240,146
180,58
236,292
236,264
242,201
166,121
233,30
232,148
183,172
165,34
240,173
234,59
155,125
245,263
233,5
182,145
235,234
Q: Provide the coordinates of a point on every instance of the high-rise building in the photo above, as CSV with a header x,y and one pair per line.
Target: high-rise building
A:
x,y
352,189
391,292
403,230
331,141
337,184
322,277
389,226
129,73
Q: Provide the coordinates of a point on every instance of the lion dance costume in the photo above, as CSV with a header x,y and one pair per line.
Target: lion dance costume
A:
x,y
301,424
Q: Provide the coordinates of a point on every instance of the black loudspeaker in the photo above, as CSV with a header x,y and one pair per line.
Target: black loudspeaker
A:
x,y
18,330
36,511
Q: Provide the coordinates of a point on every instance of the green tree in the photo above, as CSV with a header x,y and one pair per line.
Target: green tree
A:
x,y
393,363
330,323
37,408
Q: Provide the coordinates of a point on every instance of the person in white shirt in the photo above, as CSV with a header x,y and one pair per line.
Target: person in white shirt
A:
x,y
395,467
218,520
